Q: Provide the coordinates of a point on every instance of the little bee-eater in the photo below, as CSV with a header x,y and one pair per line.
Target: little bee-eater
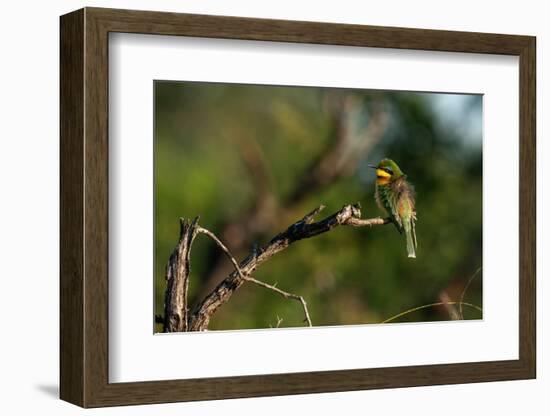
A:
x,y
395,196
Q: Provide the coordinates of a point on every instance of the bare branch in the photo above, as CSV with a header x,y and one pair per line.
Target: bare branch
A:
x,y
358,222
308,219
177,279
223,247
286,295
302,229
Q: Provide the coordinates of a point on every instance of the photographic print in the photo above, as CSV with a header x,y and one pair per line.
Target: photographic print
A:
x,y
203,190
293,206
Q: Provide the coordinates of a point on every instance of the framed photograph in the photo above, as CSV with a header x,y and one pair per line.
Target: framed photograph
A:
x,y
255,207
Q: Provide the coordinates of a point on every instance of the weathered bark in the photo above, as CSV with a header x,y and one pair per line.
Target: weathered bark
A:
x,y
305,228
176,313
177,279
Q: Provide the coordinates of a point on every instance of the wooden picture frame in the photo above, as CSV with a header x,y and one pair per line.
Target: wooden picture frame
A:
x,y
84,207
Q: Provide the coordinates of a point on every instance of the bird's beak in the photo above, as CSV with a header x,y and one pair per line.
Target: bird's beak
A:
x,y
372,166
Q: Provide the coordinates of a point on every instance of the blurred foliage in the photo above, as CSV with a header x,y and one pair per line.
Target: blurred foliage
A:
x,y
349,275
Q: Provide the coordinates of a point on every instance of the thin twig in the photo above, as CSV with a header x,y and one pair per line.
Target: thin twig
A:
x,y
308,218
223,247
286,295
358,222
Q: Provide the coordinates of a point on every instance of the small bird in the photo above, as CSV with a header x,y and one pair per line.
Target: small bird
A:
x,y
395,196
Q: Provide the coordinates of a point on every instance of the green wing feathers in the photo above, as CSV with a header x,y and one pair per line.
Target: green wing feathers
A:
x,y
407,214
397,199
387,199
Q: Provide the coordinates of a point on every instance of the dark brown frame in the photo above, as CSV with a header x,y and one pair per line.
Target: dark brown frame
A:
x,y
84,209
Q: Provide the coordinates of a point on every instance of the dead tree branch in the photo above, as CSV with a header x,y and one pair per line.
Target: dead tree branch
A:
x,y
286,295
177,279
305,228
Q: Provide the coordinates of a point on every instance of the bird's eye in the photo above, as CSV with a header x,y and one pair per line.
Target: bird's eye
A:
x,y
389,171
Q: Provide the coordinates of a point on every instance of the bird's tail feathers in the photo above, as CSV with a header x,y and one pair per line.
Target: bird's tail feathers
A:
x,y
410,233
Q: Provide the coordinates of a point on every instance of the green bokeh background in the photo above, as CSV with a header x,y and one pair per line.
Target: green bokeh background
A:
x,y
219,146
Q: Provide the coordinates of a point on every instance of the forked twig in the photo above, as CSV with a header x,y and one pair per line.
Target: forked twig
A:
x,y
306,227
284,294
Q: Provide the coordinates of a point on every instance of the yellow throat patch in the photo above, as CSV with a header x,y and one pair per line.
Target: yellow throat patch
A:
x,y
382,177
